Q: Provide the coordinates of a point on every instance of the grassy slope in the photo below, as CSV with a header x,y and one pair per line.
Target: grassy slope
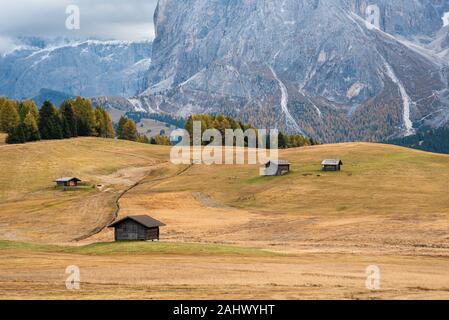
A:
x,y
385,195
376,179
132,247
379,185
389,198
32,209
33,166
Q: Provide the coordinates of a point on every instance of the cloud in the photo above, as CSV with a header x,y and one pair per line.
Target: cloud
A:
x,y
99,19
7,44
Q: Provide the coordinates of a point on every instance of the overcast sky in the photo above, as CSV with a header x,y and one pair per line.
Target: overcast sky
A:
x,y
99,19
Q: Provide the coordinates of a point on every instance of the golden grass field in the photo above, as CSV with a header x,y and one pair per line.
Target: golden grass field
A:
x,y
230,233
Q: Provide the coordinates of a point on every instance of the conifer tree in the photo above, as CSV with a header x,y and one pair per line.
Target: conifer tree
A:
x,y
9,117
100,126
142,139
30,128
2,101
17,135
109,126
26,107
85,116
120,125
161,140
68,118
49,122
129,131
103,124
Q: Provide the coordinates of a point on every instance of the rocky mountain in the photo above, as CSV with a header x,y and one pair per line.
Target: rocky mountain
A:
x,y
307,66
86,68
314,67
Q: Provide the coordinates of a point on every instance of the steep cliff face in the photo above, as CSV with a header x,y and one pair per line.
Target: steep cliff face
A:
x,y
308,66
89,68
412,19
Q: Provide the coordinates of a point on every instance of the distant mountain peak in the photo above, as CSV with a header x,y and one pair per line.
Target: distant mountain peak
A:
x,y
307,66
76,67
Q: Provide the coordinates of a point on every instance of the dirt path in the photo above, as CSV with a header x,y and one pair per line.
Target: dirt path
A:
x,y
114,215
116,212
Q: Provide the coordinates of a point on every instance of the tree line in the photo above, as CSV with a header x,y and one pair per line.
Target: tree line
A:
x,y
24,122
165,118
222,123
127,130
427,139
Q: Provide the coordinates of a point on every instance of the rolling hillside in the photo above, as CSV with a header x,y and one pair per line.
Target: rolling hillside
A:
x,y
305,235
33,210
386,196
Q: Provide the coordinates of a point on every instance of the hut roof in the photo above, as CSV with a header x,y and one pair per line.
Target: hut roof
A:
x,y
146,221
332,162
278,162
67,179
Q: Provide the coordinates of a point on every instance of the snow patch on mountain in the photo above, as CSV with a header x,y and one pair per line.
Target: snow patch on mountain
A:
x,y
284,104
160,87
408,124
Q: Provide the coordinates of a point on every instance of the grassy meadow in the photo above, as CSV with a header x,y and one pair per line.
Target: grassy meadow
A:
x,y
230,233
33,209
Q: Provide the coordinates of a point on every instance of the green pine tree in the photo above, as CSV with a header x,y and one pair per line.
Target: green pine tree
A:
x,y
17,135
50,126
69,121
120,125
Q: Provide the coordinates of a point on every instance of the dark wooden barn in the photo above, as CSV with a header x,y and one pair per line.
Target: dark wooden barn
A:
x,y
67,182
332,165
143,228
275,168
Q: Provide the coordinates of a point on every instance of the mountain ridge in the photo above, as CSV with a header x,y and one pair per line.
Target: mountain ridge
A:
x,y
344,81
312,67
86,68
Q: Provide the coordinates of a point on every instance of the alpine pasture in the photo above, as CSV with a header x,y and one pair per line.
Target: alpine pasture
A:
x,y
230,233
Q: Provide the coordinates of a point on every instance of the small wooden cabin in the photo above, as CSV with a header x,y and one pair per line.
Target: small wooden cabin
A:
x,y
275,168
67,182
143,228
332,165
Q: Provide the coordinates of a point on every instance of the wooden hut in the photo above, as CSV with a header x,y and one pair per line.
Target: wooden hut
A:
x,y
275,168
332,165
143,228
67,182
